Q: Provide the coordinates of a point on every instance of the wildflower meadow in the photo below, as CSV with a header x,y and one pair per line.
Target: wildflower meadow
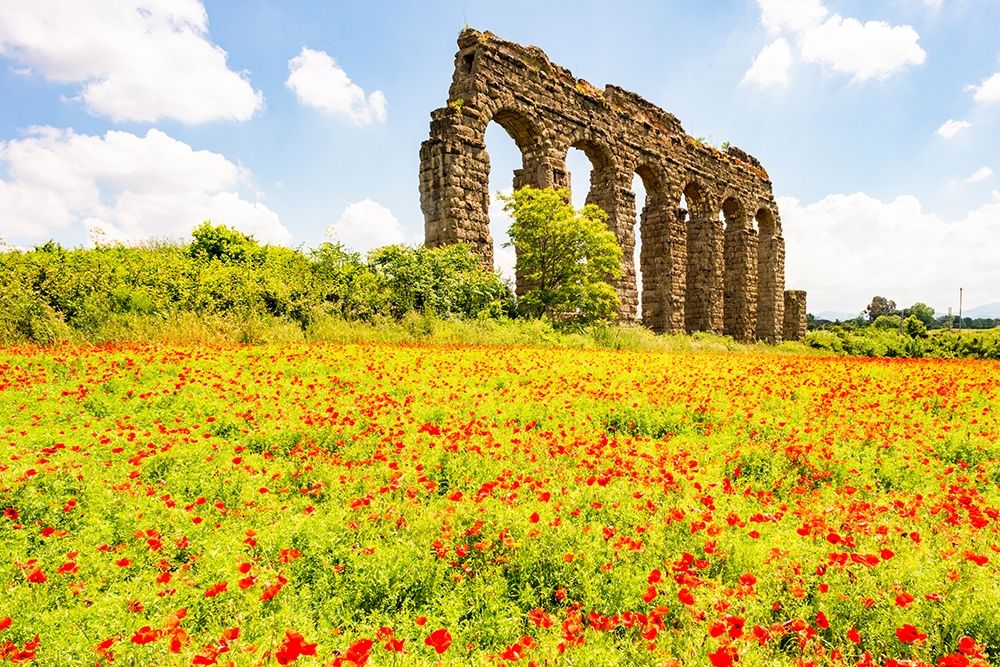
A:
x,y
320,504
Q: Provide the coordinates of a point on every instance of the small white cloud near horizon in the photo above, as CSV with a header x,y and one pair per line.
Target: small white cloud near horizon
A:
x,y
122,187
771,66
134,60
504,259
979,175
988,91
366,225
319,82
846,248
869,50
951,127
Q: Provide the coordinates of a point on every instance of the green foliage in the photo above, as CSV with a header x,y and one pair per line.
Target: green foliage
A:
x,y
914,341
887,322
880,306
218,242
914,327
51,293
439,281
566,257
922,312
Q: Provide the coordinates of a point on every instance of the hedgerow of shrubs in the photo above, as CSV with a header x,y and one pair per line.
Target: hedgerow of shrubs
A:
x,y
53,293
884,339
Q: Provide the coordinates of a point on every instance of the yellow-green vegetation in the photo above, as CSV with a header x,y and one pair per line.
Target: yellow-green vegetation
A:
x,y
443,504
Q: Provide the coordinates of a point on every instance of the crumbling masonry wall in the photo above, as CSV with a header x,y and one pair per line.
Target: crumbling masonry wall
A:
x,y
715,265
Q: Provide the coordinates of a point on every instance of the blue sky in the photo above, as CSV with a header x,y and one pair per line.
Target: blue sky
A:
x,y
878,122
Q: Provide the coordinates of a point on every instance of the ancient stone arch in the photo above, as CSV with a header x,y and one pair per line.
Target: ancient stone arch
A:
x,y
716,266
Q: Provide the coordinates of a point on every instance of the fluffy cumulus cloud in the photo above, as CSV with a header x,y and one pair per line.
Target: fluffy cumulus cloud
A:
x,y
951,127
319,82
772,64
988,91
864,50
845,249
133,60
122,187
366,225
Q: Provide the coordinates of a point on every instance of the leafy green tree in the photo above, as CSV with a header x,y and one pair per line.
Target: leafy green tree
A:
x,y
914,327
221,243
922,312
887,322
446,281
880,306
565,257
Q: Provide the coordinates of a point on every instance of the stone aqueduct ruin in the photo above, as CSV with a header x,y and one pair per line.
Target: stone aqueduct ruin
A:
x,y
718,266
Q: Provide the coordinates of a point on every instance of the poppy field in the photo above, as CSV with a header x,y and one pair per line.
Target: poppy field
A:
x,y
397,505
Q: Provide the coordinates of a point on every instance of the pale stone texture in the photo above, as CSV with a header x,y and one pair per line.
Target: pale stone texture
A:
x,y
717,266
795,315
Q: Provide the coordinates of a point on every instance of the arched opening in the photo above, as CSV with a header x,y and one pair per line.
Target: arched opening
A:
x,y
592,180
641,264
511,159
769,290
504,159
580,171
704,279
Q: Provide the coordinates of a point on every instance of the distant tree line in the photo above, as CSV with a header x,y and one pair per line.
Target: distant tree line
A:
x,y
882,330
881,307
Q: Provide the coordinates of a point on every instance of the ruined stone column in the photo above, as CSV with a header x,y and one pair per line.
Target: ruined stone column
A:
x,y
703,308
795,315
674,282
654,263
741,283
769,290
454,178
621,220
716,277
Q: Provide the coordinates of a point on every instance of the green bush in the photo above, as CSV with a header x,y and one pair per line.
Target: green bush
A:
x,y
52,293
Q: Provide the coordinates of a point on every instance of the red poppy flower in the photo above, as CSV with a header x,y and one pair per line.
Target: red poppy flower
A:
x,y
439,640
684,595
293,647
723,657
215,589
909,634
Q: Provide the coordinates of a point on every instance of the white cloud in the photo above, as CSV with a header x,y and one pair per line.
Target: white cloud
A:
x,y
135,60
771,65
130,187
988,91
793,15
845,249
319,82
366,225
504,259
979,175
873,49
952,127
867,50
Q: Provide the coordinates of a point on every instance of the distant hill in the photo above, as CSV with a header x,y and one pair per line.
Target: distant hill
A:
x,y
835,316
986,310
